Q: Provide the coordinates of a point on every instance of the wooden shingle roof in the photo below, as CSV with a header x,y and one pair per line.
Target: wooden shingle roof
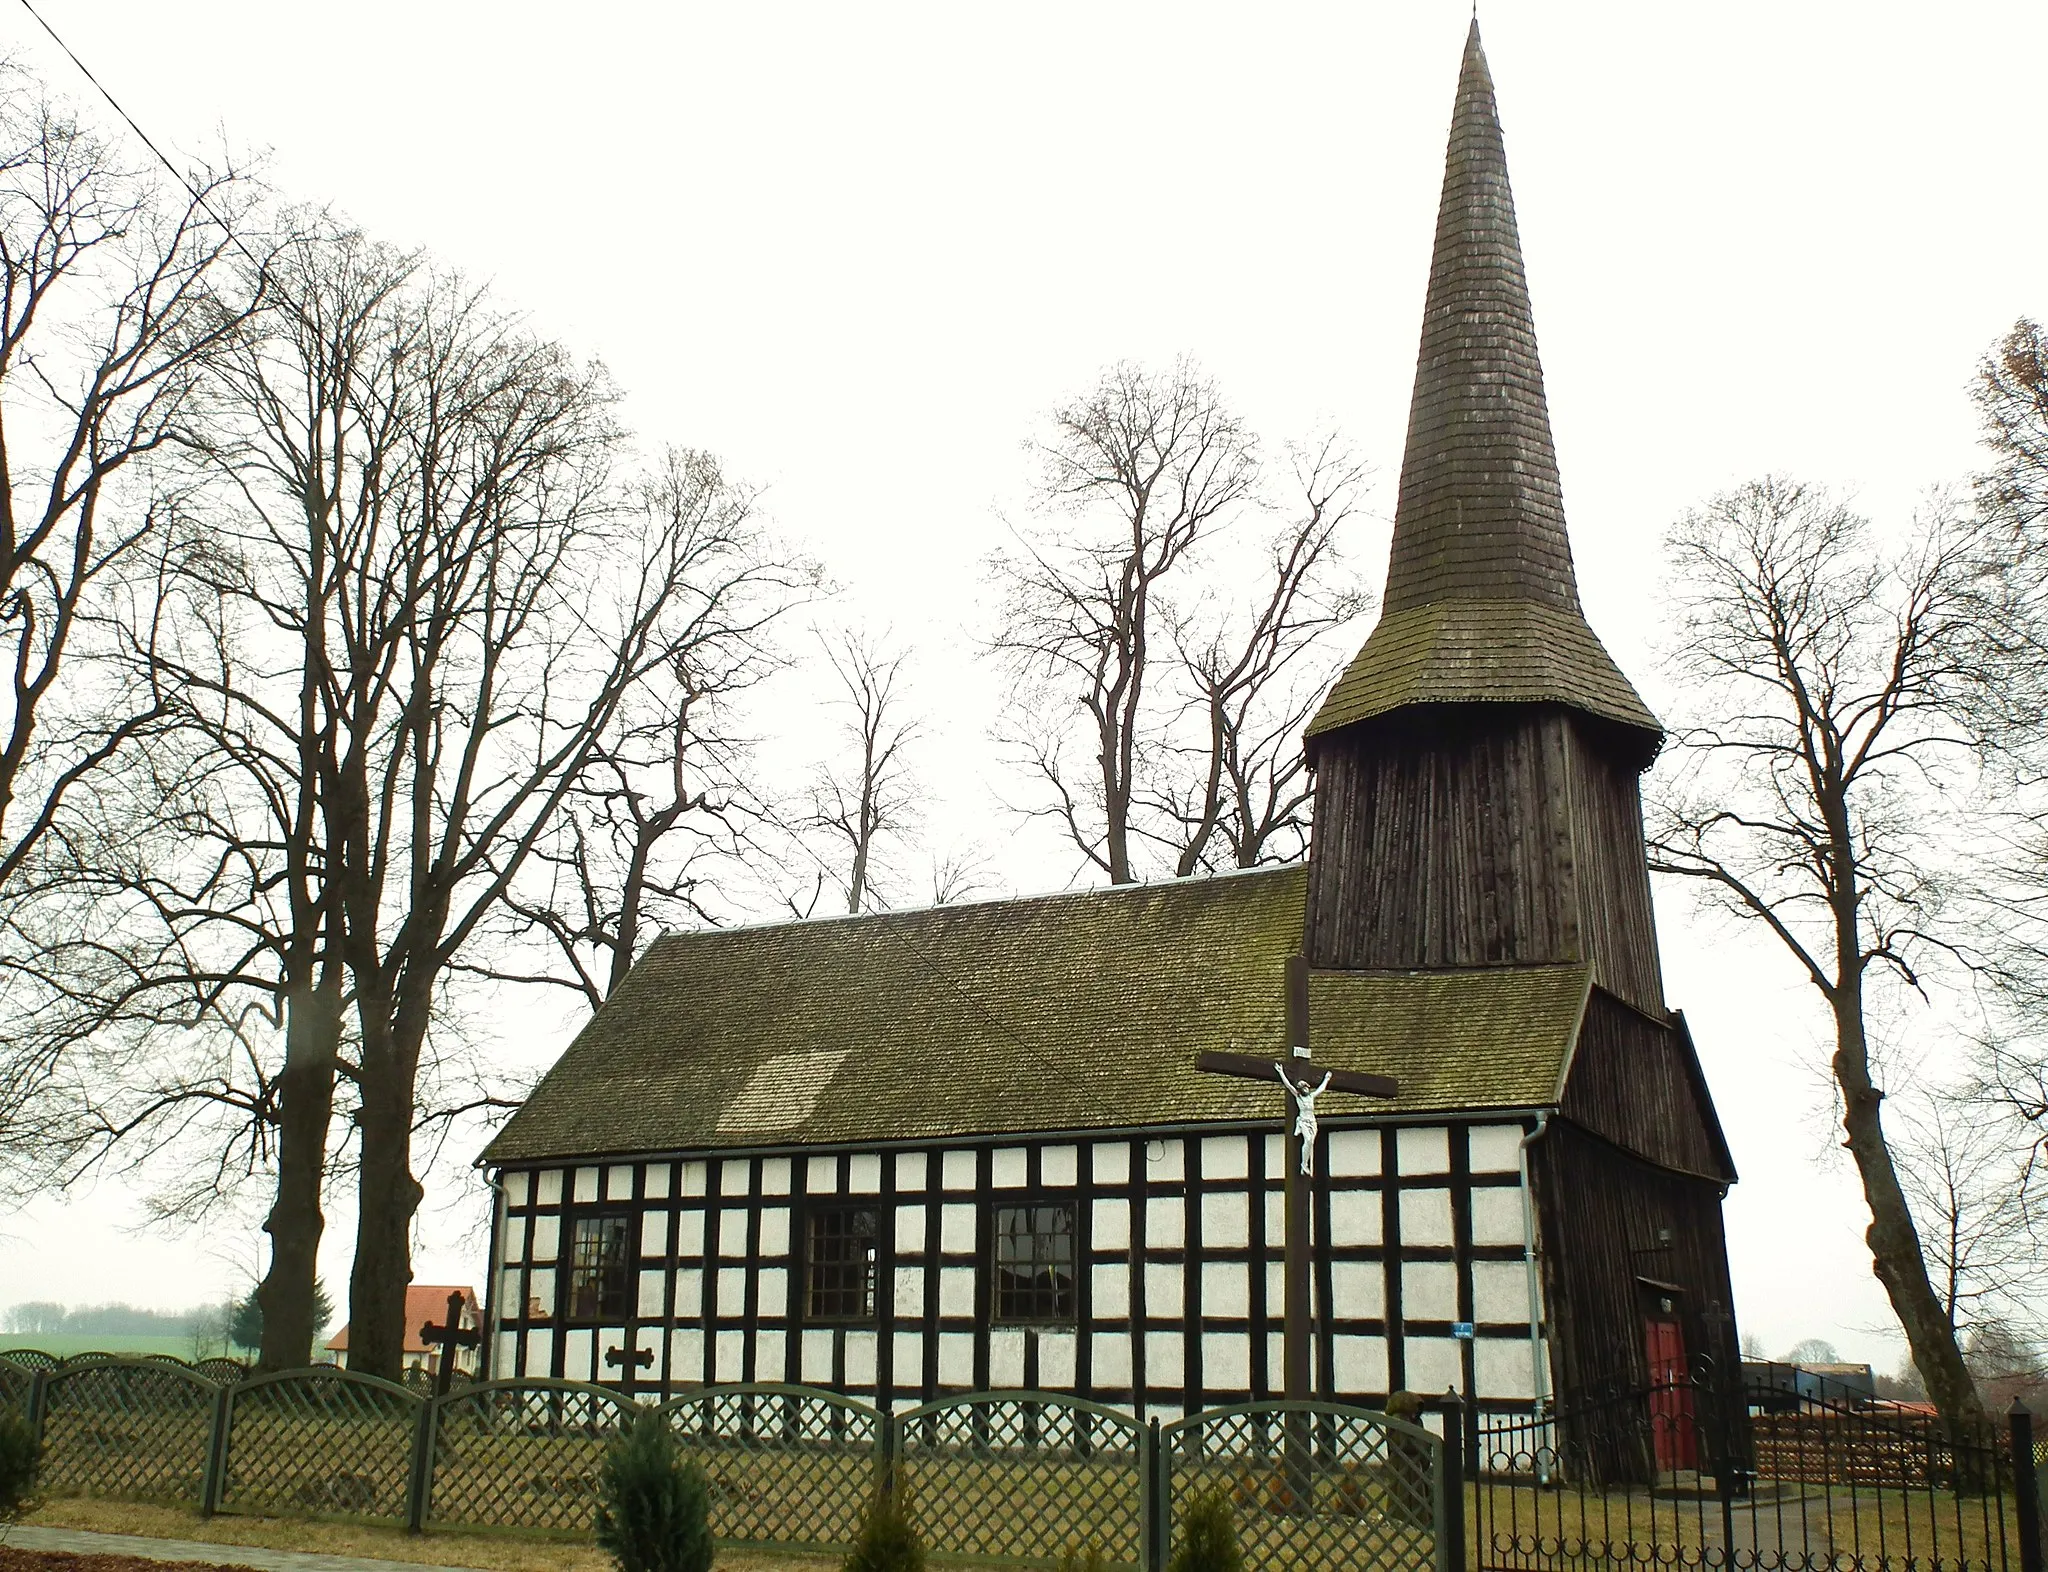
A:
x,y
1481,601
1063,1012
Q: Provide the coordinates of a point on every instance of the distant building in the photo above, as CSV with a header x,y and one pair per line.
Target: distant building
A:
x,y
1779,1387
424,1303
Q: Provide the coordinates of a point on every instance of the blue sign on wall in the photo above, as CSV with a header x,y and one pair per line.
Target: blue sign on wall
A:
x,y
1463,1329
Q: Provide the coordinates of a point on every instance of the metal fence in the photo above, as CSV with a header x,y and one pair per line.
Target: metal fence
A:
x,y
1018,1478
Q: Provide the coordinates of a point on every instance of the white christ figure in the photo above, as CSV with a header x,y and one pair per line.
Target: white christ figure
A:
x,y
1304,1114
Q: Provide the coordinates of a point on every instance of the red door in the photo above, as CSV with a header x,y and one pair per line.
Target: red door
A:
x,y
1671,1415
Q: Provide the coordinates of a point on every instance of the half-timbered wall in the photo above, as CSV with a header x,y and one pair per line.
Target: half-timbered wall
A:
x,y
1179,1287
1481,836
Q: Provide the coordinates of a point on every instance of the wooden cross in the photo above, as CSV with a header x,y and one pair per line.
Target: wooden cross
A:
x,y
1304,1080
450,1336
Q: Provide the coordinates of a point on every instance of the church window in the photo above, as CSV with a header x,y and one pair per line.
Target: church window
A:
x,y
839,1263
1034,1263
600,1268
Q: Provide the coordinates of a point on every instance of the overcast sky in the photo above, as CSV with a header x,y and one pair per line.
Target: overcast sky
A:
x,y
857,250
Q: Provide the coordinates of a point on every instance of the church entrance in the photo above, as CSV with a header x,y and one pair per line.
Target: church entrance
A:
x,y
1673,1432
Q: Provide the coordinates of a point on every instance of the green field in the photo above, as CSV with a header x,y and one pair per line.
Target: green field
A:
x,y
65,1344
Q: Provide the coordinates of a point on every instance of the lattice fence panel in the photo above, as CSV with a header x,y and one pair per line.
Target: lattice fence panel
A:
x,y
33,1359
224,1371
134,1429
320,1443
786,1465
523,1455
1310,1485
1025,1478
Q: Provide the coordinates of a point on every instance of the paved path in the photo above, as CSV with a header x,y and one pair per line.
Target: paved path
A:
x,y
24,1537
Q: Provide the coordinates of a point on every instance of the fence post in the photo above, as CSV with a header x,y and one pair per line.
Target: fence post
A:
x,y
420,1485
2026,1486
888,1441
213,1485
1450,1475
1156,1477
37,1395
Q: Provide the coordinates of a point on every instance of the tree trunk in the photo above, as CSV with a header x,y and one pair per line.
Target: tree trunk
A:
x,y
387,1196
305,1099
1894,1242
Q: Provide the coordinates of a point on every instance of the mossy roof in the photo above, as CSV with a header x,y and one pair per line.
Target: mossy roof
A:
x,y
1064,1012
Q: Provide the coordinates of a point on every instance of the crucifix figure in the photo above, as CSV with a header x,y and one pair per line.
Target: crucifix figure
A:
x,y
1305,1081
449,1336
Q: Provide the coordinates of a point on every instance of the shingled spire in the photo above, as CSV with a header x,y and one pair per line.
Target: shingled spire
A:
x,y
1481,604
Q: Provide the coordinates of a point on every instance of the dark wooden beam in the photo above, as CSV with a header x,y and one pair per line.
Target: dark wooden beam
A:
x,y
1251,1067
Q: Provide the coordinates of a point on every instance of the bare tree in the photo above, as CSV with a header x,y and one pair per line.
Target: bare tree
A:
x,y
865,799
1135,475
1836,671
1977,1194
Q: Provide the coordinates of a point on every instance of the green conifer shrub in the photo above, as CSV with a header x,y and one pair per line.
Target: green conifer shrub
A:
x,y
654,1508
17,1464
1075,1561
887,1541
1208,1537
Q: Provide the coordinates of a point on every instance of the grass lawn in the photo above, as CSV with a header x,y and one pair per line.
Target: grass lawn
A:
x,y
64,1346
490,1552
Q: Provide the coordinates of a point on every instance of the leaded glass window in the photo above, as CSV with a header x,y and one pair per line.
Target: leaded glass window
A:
x,y
600,1268
1034,1263
839,1263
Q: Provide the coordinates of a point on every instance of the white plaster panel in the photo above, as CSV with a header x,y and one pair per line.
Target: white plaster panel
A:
x,y
648,1341
861,1348
1227,1361
579,1349
547,1238
732,1291
1111,1161
1226,1220
1058,1166
1111,1229
956,1290
821,1175
652,1286
909,1294
1497,1217
775,1231
729,1357
585,1187
1008,1169
1005,1358
1433,1364
1356,1218
775,1176
693,1179
956,1358
618,1183
771,1355
1276,1362
910,1230
654,1234
1056,1359
1424,1150
1226,1290
689,1294
505,1355
1500,1291
1165,1161
1426,1217
1494,1148
1109,1354
512,1240
1358,1365
517,1186
686,1355
908,1357
611,1345
1354,1154
956,1229
736,1176
1110,1292
1276,1156
1500,1367
1165,1223
1358,1290
690,1234
540,1353
1163,1299
910,1168
1276,1289
548,1187
864,1174
773,1298
1165,1364
956,1171
732,1232
1276,1218
657,1181
815,1356
540,1293
1429,1291
1225,1157
508,1293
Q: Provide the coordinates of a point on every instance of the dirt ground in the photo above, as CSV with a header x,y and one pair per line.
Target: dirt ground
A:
x,y
16,1560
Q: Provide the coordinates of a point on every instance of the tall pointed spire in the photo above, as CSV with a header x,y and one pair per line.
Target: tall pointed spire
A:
x,y
1481,603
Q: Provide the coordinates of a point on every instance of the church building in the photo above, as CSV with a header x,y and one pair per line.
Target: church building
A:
x,y
926,1152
